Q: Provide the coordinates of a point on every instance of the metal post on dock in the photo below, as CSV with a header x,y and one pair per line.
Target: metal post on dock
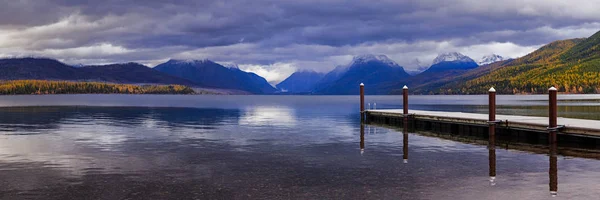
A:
x,y
405,100
552,140
492,135
362,102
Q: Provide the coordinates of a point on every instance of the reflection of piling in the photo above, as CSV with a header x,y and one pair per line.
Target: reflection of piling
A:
x,y
362,102
405,141
492,161
362,138
553,172
492,135
552,140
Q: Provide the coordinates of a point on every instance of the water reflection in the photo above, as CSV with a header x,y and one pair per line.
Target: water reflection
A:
x,y
362,138
82,138
288,152
35,120
492,159
553,169
269,116
405,142
508,141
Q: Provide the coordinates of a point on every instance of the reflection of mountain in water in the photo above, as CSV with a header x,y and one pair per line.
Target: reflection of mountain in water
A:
x,y
34,120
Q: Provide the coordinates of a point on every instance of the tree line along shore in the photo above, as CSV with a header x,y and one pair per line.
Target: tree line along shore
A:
x,y
16,87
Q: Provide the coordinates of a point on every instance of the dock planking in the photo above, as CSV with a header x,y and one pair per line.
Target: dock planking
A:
x,y
568,125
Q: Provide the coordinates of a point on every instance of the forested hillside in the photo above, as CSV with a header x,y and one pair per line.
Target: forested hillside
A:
x,y
572,66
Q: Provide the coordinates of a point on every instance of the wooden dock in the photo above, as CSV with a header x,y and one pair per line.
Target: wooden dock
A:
x,y
532,129
539,124
552,124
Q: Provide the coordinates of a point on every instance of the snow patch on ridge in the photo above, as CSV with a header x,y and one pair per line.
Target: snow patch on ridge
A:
x,y
451,56
488,59
188,61
370,57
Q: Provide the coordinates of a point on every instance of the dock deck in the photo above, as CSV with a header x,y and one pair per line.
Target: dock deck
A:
x,y
568,125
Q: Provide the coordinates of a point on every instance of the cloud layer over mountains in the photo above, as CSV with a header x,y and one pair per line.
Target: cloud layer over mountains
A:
x,y
277,37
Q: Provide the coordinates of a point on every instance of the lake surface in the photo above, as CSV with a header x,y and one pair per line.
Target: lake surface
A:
x,y
268,147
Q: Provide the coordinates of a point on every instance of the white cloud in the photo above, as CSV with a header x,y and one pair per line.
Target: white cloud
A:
x,y
273,73
99,50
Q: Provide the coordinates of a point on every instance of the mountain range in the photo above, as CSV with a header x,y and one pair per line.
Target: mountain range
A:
x,y
381,75
375,71
213,75
199,73
572,66
49,69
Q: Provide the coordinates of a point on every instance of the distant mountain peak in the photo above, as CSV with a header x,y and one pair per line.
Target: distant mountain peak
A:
x,y
300,81
451,56
307,71
370,57
488,59
416,67
188,61
78,65
231,65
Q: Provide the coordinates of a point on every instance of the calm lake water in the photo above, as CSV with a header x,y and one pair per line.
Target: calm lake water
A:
x,y
268,147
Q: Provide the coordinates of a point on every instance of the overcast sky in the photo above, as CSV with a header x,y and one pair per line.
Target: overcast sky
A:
x,y
276,37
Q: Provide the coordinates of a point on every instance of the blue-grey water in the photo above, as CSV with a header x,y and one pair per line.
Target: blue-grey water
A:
x,y
266,147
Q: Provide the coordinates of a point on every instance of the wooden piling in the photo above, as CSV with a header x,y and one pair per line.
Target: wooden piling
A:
x,y
552,140
362,102
405,131
492,112
405,99
492,104
492,135
552,108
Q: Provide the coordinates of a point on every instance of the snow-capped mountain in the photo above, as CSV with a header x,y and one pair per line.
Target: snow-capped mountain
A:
x,y
360,59
375,71
231,65
451,62
488,59
188,61
451,56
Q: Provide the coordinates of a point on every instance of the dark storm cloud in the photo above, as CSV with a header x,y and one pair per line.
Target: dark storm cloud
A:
x,y
264,32
155,23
